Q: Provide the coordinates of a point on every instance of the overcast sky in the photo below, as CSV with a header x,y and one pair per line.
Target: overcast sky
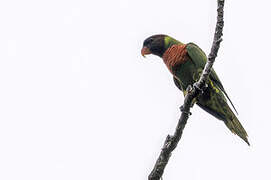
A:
x,y
78,102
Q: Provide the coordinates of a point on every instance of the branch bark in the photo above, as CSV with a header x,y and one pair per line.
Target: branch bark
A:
x,y
193,92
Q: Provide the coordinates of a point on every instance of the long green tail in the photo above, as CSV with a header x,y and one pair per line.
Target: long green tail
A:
x,y
215,103
236,127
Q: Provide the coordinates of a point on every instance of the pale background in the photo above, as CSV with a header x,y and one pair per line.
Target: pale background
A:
x,y
78,102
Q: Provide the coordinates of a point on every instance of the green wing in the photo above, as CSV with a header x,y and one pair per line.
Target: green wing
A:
x,y
199,59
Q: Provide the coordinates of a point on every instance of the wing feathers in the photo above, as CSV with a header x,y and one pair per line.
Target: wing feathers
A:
x,y
199,58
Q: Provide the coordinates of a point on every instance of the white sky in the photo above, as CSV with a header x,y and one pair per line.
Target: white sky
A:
x,y
78,102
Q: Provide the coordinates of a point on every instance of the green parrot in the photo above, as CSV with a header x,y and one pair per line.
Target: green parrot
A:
x,y
186,62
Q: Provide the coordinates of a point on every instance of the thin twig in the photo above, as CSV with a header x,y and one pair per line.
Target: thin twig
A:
x,y
193,92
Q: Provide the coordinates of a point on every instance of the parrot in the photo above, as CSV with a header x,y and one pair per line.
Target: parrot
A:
x,y
186,63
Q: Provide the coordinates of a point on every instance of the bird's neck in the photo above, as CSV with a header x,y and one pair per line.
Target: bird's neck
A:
x,y
175,55
169,41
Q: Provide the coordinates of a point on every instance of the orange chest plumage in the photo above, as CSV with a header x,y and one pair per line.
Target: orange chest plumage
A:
x,y
175,55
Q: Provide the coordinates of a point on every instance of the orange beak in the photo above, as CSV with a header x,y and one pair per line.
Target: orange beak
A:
x,y
145,51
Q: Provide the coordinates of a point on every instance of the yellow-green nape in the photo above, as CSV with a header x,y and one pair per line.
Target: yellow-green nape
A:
x,y
169,41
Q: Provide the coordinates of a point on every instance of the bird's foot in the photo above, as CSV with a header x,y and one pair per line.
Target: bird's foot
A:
x,y
189,89
196,86
186,112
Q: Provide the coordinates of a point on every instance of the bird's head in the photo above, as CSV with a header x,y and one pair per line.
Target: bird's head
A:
x,y
157,45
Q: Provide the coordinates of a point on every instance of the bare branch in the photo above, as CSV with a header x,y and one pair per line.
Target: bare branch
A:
x,y
193,92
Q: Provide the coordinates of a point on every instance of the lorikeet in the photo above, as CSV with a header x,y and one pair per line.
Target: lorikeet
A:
x,y
186,62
